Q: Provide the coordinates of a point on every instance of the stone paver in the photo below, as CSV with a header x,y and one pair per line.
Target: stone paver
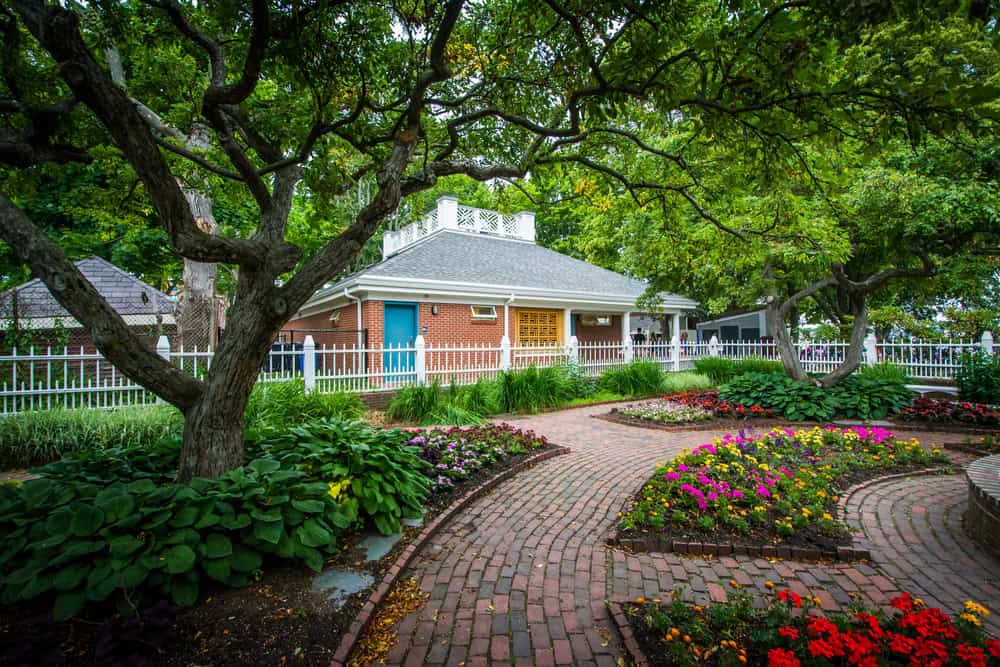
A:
x,y
520,577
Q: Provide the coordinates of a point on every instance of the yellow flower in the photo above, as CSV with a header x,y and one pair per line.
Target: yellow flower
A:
x,y
826,515
971,619
976,608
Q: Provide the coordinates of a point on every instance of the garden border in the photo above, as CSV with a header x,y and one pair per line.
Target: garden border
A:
x,y
663,544
729,424
361,621
626,633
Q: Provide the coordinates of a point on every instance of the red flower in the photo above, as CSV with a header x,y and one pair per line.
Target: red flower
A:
x,y
820,626
874,630
826,648
779,657
900,643
993,646
791,597
971,655
903,602
789,632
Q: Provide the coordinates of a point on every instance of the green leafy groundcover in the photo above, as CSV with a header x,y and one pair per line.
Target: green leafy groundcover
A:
x,y
775,484
786,633
112,525
97,526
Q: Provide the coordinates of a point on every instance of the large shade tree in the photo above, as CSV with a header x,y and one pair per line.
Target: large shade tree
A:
x,y
263,101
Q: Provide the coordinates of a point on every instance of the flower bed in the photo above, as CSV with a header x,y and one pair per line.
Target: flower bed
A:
x,y
776,487
665,411
458,453
710,402
941,411
785,634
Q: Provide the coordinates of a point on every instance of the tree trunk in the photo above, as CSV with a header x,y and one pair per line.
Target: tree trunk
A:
x,y
213,427
783,342
197,315
856,344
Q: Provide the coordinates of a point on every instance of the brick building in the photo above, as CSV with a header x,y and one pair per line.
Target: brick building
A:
x,y
465,276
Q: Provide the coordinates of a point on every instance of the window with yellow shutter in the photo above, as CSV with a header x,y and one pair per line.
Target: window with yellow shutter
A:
x,y
539,327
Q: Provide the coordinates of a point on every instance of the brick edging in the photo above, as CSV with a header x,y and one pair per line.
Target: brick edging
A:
x,y
364,617
662,544
627,634
717,424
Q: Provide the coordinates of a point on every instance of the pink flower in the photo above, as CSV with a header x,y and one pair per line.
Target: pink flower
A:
x,y
672,475
762,491
682,468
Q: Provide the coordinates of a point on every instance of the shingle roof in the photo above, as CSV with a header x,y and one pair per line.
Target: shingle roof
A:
x,y
482,259
124,292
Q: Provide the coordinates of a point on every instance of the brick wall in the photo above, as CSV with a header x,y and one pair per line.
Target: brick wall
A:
x,y
453,325
592,334
341,333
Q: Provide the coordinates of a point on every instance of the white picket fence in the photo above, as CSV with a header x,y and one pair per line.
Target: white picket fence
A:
x,y
46,379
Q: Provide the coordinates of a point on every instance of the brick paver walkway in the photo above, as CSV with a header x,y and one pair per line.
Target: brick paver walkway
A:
x,y
520,577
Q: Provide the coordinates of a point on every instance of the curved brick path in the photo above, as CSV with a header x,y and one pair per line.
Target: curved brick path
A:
x,y
913,528
520,576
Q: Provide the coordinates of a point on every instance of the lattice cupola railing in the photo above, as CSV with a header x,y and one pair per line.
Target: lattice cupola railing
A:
x,y
449,214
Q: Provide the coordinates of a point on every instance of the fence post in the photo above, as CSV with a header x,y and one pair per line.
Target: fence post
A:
x,y
627,351
871,350
505,353
309,364
420,361
573,351
987,342
713,346
675,351
162,349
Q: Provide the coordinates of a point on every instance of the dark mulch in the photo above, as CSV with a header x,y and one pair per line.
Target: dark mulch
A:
x,y
808,538
277,620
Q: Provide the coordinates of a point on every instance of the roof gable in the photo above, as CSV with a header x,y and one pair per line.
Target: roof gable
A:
x,y
125,293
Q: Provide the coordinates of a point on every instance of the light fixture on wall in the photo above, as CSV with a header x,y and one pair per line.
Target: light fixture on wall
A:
x,y
434,309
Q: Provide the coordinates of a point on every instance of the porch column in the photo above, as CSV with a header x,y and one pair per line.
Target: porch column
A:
x,y
676,326
567,325
627,337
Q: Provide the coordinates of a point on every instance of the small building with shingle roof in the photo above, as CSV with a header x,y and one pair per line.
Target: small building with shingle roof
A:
x,y
468,276
31,308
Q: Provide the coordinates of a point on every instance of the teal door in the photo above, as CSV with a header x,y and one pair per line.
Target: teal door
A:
x,y
400,332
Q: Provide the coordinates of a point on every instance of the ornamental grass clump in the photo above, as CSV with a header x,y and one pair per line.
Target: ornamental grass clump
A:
x,y
665,411
776,485
791,630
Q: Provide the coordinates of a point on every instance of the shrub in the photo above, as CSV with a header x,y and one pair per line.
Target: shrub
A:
x,y
675,383
284,403
413,404
80,542
884,370
639,378
373,467
978,378
480,398
528,389
721,371
35,438
789,398
870,397
451,414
